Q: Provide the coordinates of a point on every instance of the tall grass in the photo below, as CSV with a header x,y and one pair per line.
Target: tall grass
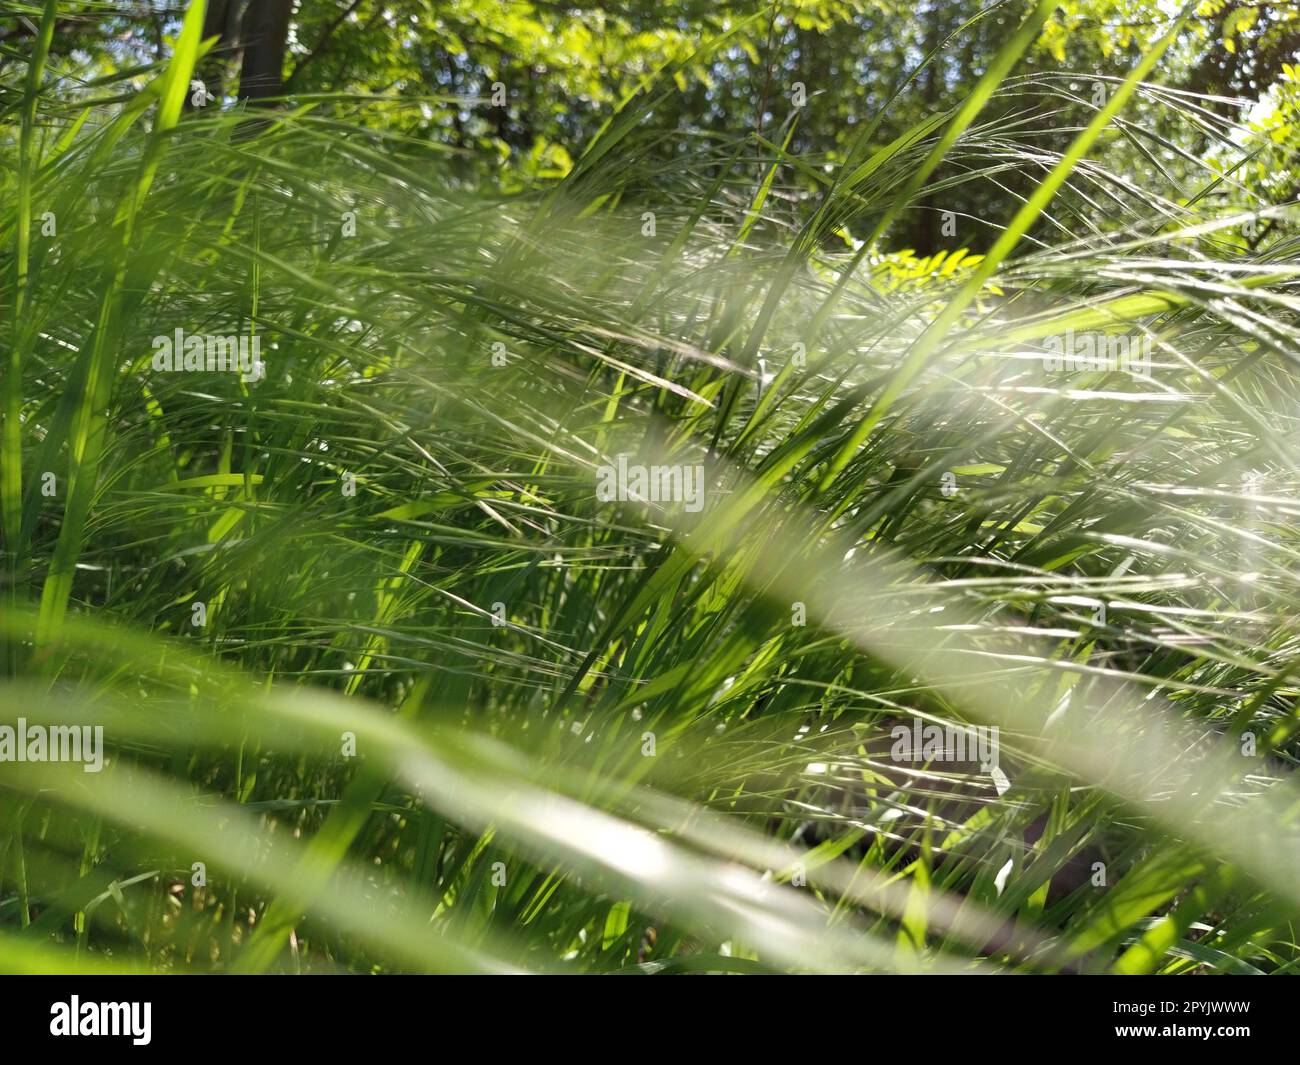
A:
x,y
447,710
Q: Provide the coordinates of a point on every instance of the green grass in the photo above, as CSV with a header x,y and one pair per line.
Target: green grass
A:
x,y
502,811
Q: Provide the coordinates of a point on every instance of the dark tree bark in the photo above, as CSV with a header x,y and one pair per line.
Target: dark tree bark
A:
x,y
925,227
220,20
264,36
214,18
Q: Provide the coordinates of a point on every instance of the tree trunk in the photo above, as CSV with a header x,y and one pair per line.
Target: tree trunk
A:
x,y
264,36
214,19
220,20
925,227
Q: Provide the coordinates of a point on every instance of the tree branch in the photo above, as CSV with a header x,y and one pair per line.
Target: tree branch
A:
x,y
320,44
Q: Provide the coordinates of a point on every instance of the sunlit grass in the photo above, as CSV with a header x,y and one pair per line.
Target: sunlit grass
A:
x,y
447,710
